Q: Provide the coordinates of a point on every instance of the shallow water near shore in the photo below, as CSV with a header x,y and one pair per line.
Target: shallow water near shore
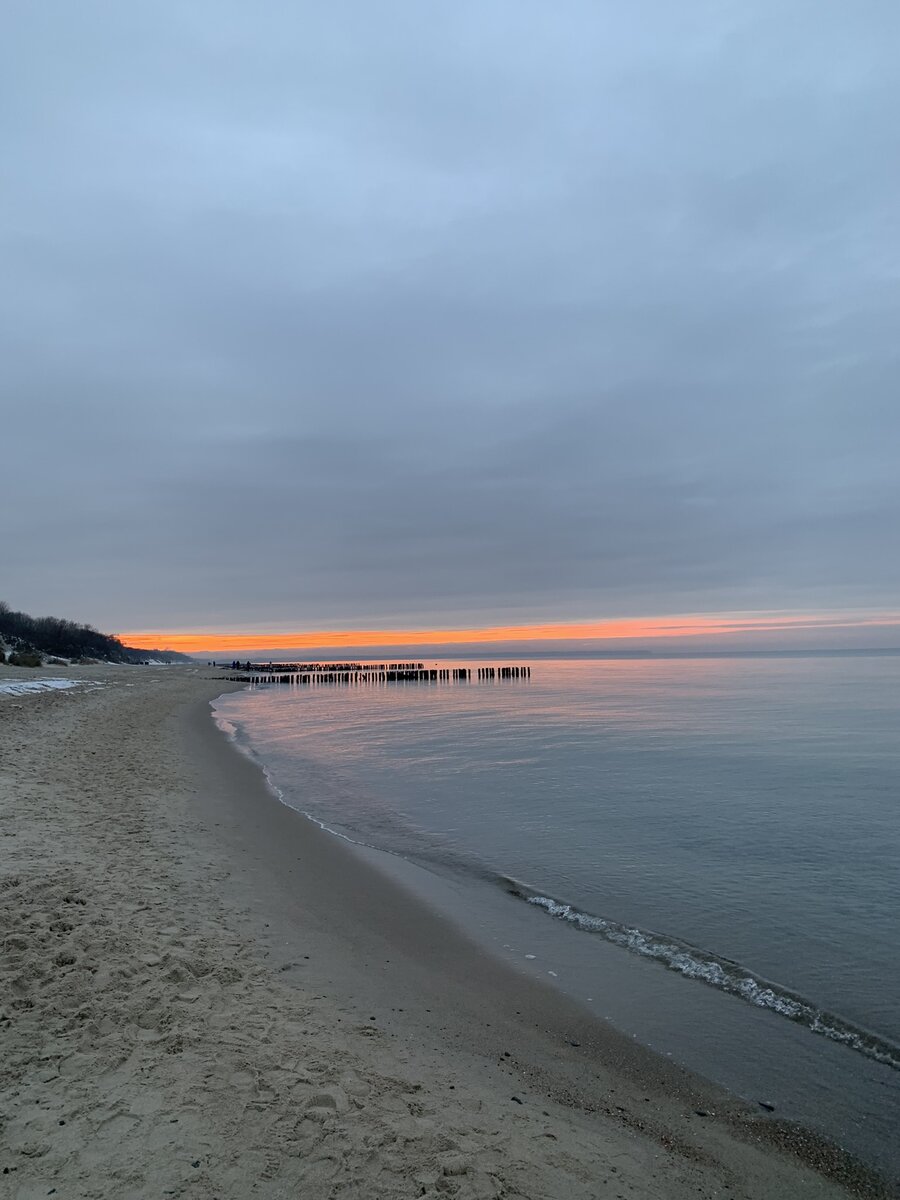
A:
x,y
702,850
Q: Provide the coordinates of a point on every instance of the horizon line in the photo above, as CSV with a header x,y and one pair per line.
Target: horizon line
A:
x,y
692,625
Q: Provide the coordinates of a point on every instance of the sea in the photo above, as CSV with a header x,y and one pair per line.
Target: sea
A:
x,y
705,851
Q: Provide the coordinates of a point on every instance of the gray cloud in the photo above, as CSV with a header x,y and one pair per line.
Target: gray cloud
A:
x,y
378,314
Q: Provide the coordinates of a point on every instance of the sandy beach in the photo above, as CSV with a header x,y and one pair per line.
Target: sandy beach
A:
x,y
205,995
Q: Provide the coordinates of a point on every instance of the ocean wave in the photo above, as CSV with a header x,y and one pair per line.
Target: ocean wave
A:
x,y
721,973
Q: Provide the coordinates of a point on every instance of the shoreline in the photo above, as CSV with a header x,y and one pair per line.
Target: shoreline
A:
x,y
401,1073
428,876
602,1039
803,1074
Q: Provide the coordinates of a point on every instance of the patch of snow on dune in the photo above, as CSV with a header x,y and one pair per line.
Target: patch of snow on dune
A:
x,y
21,687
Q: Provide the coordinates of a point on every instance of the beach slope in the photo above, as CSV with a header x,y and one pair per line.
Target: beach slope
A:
x,y
203,995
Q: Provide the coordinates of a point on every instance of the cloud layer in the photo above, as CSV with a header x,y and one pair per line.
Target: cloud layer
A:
x,y
398,314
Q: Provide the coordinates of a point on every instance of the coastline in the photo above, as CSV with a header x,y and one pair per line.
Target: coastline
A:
x,y
217,997
400,777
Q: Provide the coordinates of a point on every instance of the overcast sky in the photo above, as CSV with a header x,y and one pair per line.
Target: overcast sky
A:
x,y
448,313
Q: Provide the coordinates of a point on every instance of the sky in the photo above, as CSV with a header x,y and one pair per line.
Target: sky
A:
x,y
450,316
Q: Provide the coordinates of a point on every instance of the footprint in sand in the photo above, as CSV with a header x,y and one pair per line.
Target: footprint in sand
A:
x,y
327,1103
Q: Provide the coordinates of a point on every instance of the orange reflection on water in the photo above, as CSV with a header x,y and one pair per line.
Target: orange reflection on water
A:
x,y
630,629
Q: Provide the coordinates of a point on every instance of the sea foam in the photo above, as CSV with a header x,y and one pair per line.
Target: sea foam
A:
x,y
723,974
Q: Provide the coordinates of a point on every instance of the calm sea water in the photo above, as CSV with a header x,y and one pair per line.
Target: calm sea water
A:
x,y
737,821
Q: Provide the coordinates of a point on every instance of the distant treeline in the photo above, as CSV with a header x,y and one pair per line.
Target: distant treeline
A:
x,y
54,636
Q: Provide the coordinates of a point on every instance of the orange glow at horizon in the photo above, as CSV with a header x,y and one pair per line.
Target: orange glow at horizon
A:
x,y
697,625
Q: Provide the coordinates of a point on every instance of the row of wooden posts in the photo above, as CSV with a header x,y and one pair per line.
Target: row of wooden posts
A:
x,y
330,673
299,668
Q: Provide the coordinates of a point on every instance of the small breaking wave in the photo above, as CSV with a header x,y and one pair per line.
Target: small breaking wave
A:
x,y
721,973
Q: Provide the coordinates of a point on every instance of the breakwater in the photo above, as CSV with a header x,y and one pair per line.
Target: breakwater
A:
x,y
312,674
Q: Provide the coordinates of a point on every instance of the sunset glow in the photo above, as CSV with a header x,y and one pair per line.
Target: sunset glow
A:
x,y
703,625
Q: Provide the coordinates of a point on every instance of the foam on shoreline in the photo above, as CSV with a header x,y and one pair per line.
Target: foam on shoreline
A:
x,y
723,974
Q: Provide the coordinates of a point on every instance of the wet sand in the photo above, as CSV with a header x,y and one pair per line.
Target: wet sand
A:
x,y
203,994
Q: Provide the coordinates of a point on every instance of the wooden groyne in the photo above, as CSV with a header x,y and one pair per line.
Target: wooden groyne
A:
x,y
504,672
314,674
299,668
